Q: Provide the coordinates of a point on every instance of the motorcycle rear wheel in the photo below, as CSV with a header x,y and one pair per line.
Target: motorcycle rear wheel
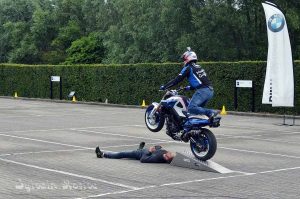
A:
x,y
205,146
156,122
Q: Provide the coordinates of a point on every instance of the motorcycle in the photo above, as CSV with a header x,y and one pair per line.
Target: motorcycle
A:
x,y
172,110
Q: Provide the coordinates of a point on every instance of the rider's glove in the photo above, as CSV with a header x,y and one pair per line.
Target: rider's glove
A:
x,y
162,87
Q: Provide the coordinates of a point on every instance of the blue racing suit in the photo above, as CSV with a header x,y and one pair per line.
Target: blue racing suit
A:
x,y
198,80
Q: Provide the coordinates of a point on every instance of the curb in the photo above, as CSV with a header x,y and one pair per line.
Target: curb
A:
x,y
262,115
140,107
70,102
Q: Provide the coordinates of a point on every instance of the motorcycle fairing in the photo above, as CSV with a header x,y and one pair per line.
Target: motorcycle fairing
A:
x,y
178,103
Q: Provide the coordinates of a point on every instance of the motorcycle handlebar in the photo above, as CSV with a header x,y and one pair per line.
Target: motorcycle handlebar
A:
x,y
177,90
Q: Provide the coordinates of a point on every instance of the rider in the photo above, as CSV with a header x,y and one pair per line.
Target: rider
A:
x,y
198,80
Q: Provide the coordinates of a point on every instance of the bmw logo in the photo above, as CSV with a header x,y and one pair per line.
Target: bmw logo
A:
x,y
276,23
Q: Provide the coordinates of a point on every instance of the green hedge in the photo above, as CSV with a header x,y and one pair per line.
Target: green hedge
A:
x,y
131,83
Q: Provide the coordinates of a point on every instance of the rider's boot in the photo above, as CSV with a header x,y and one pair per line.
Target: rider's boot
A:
x,y
213,114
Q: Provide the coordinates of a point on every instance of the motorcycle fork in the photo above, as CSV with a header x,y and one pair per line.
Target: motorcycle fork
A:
x,y
158,107
154,110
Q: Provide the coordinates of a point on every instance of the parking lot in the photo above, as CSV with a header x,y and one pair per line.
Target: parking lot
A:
x,y
47,151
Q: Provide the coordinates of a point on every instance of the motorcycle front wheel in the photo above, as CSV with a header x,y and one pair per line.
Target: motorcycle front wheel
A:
x,y
204,145
156,122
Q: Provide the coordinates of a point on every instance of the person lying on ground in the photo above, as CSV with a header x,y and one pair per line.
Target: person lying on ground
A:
x,y
155,154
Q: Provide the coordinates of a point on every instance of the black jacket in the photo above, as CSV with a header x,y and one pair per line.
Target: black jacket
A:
x,y
154,157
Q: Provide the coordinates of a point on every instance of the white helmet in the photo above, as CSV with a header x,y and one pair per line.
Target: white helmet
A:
x,y
189,56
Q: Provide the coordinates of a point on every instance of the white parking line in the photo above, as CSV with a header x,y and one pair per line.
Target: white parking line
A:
x,y
108,193
233,176
242,172
279,170
73,150
105,127
160,140
254,137
121,135
193,181
259,129
67,129
139,137
117,192
157,186
291,133
44,141
125,145
205,179
38,152
70,174
259,152
142,126
32,130
29,115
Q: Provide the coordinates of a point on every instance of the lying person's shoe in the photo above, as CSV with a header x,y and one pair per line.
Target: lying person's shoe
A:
x,y
142,144
98,152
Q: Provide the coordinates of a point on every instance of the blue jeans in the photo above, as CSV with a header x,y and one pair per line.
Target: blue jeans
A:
x,y
199,100
136,154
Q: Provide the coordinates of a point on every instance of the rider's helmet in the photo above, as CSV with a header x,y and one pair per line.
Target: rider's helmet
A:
x,y
189,56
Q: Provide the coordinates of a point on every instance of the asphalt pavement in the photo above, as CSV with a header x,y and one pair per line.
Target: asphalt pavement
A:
x,y
47,151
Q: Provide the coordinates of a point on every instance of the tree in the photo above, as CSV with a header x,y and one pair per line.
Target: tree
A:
x,y
16,10
26,53
15,18
86,50
135,31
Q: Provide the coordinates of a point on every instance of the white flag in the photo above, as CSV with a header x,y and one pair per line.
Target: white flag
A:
x,y
279,81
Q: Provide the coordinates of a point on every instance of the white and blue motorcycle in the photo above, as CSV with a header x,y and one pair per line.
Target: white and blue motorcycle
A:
x,y
172,109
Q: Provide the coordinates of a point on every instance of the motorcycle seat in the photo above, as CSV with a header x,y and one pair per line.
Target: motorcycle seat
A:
x,y
190,116
203,117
